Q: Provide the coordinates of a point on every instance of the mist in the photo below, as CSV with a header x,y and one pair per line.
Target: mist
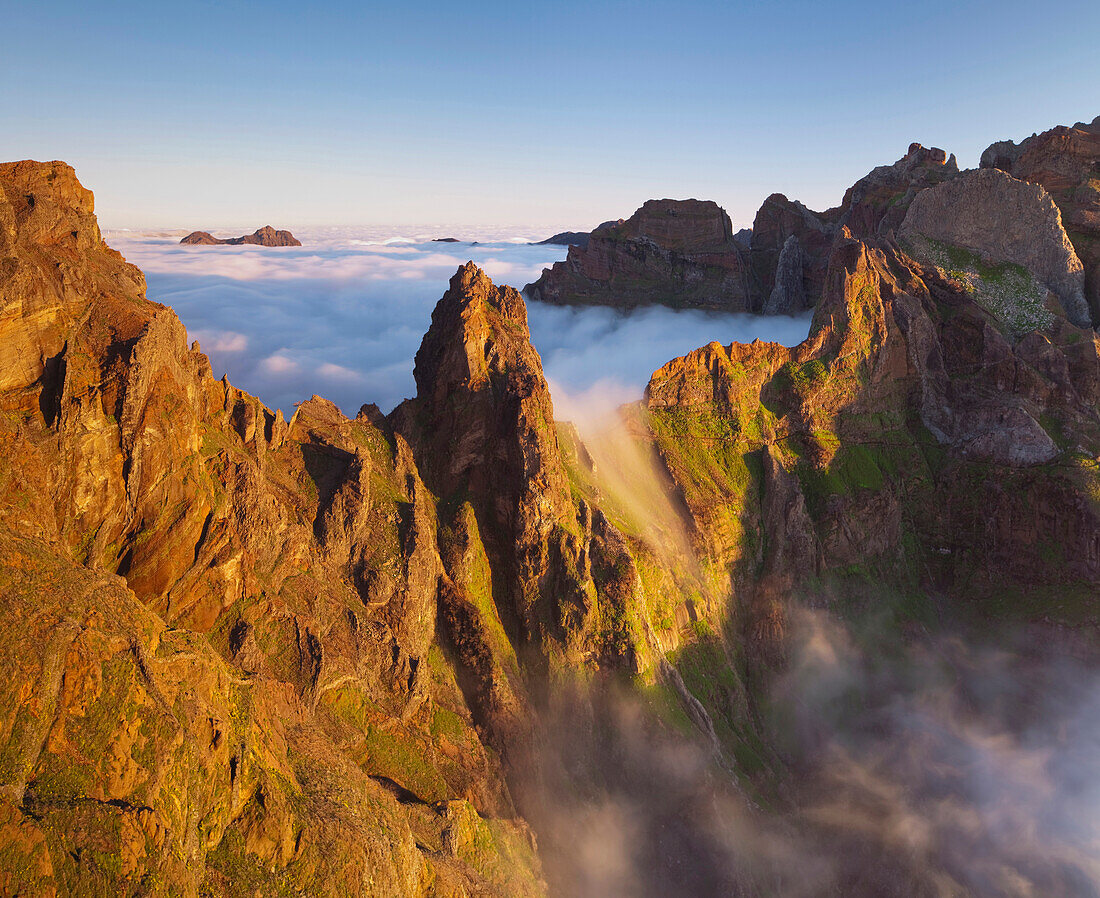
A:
x,y
343,315
954,764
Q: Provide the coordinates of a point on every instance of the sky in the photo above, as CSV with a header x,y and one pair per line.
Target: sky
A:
x,y
201,114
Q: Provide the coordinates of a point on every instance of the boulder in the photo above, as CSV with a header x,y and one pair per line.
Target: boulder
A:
x,y
1066,162
1003,220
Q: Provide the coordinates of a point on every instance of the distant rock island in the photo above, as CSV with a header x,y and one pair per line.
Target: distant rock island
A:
x,y
265,236
574,238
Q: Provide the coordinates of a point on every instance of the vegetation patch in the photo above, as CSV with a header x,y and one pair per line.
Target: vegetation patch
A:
x,y
1007,291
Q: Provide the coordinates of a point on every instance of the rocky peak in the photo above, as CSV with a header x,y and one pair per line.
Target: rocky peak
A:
x,y
1066,162
482,427
675,252
876,203
474,326
682,225
777,220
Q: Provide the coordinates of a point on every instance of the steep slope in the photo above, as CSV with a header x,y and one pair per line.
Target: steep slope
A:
x,y
791,244
1064,160
934,448
332,656
239,688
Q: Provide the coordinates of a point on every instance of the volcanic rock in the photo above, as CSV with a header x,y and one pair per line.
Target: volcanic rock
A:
x,y
566,238
265,236
874,206
877,203
227,665
482,426
1066,162
891,333
788,296
1003,220
673,252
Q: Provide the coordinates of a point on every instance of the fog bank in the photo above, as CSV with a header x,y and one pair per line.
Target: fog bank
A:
x,y
956,764
343,315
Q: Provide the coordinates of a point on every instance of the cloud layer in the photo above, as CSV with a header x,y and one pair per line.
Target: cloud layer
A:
x,y
343,315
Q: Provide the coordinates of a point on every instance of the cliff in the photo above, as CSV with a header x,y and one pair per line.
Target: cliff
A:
x,y
1064,162
378,656
227,677
683,253
672,252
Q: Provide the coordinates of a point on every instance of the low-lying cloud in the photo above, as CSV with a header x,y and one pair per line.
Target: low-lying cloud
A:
x,y
343,315
959,764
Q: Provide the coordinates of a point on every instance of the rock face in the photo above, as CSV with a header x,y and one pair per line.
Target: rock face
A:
x,y
265,236
684,253
672,252
483,429
874,206
779,219
229,679
1003,220
894,337
245,655
1066,162
788,296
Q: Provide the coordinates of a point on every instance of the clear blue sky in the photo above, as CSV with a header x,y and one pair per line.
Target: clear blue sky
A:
x,y
195,114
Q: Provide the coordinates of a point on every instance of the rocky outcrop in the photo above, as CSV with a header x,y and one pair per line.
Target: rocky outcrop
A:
x,y
877,203
265,236
249,655
683,253
1066,162
671,252
874,206
788,296
231,677
895,337
1003,219
483,430
779,219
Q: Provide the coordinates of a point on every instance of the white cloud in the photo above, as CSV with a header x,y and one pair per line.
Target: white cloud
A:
x,y
343,315
339,372
280,364
220,341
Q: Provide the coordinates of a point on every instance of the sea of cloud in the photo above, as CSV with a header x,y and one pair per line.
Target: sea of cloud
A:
x,y
343,315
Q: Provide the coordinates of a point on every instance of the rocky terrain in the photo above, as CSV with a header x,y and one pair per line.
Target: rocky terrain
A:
x,y
566,238
679,253
390,655
265,236
683,252
1066,162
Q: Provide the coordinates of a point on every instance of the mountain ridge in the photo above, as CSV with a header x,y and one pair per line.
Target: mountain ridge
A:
x,y
330,654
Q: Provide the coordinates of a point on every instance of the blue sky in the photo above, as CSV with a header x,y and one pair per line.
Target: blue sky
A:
x,y
219,114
